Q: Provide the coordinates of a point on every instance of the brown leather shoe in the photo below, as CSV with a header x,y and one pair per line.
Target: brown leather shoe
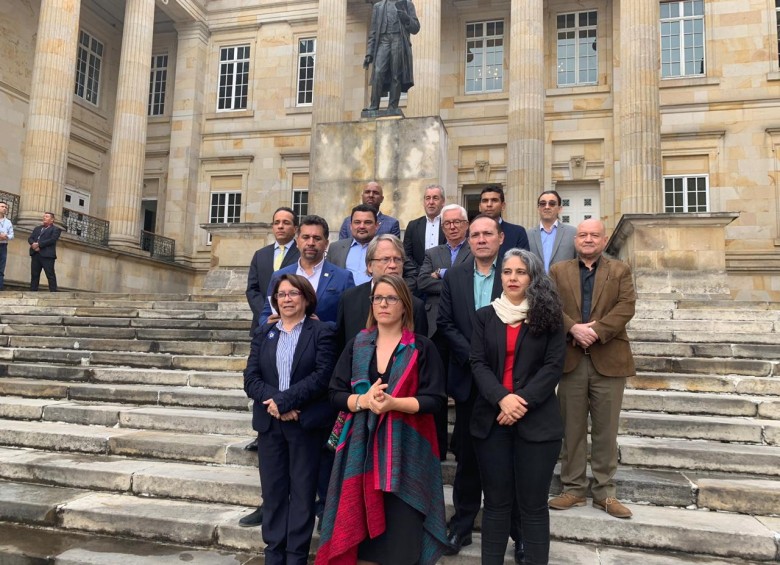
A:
x,y
613,507
566,500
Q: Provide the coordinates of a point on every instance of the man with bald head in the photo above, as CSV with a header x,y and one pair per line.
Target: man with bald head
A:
x,y
598,302
373,195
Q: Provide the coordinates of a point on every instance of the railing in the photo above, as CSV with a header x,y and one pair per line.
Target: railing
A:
x,y
91,229
158,246
13,205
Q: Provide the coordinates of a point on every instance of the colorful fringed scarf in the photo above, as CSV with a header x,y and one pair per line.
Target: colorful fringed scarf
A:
x,y
394,452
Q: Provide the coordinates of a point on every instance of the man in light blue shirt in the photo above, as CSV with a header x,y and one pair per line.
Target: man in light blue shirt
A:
x,y
350,253
6,235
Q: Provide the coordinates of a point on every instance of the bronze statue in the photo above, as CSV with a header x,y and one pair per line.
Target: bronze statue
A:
x,y
390,50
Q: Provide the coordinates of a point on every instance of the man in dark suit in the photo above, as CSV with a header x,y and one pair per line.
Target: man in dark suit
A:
x,y
425,232
467,287
598,302
350,253
373,196
43,252
279,254
385,256
328,280
551,240
492,202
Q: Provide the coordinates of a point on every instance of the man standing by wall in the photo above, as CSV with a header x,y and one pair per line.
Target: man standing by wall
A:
x,y
43,252
270,258
390,50
373,195
6,235
425,232
551,240
598,302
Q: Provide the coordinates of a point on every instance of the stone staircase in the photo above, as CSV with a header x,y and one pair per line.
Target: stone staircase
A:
x,y
123,422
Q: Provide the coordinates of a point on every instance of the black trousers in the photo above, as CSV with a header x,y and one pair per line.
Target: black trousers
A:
x,y
46,264
388,61
467,486
520,472
289,459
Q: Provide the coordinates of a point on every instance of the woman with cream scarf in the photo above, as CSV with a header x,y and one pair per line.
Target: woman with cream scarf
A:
x,y
517,353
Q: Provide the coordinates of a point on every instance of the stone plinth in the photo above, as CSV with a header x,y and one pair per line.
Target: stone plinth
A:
x,y
232,248
403,155
674,253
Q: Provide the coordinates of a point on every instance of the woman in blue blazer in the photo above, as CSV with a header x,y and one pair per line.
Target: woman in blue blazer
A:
x,y
517,353
287,375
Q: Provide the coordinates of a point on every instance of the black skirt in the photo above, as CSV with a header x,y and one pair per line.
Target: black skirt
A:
x,y
401,542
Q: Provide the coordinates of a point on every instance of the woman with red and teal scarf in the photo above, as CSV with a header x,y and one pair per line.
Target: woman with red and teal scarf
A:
x,y
385,502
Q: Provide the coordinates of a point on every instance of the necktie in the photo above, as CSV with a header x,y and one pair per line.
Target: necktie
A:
x,y
278,259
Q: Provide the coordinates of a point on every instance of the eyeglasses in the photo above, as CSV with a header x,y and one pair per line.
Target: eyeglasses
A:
x,y
291,294
388,260
548,204
378,298
453,223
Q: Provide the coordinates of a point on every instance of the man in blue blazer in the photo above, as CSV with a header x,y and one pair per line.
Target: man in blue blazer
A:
x,y
282,252
492,203
43,252
551,240
328,280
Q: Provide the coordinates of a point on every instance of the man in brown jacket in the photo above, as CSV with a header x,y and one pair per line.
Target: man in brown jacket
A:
x,y
598,302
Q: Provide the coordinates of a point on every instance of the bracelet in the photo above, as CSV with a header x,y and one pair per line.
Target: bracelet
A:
x,y
358,407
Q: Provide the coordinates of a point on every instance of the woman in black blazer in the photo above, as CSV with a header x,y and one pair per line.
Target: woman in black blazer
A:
x,y
517,353
287,376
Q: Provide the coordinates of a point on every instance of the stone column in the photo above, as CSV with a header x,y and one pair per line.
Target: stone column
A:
x,y
51,102
328,105
424,98
128,145
181,190
525,127
639,142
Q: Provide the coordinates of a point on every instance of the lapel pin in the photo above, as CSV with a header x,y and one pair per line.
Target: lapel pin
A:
x,y
271,335
325,274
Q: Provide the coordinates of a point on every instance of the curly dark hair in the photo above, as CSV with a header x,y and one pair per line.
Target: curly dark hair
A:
x,y
545,313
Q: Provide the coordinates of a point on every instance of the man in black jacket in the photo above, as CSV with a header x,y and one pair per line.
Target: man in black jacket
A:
x,y
426,231
43,252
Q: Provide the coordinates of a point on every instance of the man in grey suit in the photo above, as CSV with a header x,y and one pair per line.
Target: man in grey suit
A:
x,y
455,223
351,253
551,240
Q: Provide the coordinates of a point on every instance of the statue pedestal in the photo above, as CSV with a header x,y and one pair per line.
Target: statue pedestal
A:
x,y
403,155
681,254
232,249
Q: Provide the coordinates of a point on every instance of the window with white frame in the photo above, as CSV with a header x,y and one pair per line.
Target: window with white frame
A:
x,y
89,61
158,78
682,39
686,194
225,208
777,20
577,49
307,51
233,78
485,56
300,202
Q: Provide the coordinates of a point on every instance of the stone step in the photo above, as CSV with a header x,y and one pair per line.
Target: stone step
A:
x,y
754,351
127,359
125,345
196,421
717,428
27,545
202,524
701,403
124,375
724,327
127,394
649,334
177,446
707,366
769,386
700,455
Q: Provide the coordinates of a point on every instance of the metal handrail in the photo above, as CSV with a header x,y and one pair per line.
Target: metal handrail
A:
x,y
158,246
86,227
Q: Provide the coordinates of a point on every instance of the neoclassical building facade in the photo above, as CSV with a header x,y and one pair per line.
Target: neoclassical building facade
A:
x,y
173,128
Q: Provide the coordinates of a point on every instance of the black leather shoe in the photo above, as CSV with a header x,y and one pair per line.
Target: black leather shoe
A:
x,y
456,542
519,552
252,520
251,446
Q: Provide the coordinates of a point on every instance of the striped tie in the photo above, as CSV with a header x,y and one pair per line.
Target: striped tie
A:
x,y
278,259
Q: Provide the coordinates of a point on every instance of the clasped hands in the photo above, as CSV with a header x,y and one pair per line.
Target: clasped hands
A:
x,y
513,408
273,410
584,335
379,401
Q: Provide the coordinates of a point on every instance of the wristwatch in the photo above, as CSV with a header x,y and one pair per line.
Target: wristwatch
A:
x,y
358,407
